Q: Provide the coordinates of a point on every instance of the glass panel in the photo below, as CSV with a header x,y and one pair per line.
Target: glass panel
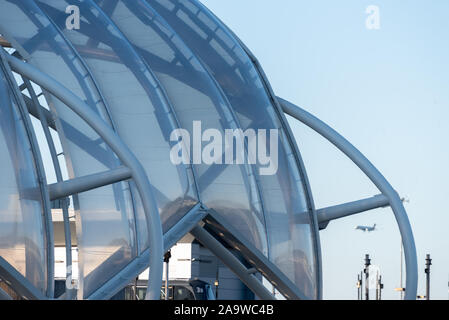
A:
x,y
228,189
22,234
182,293
289,223
137,105
104,216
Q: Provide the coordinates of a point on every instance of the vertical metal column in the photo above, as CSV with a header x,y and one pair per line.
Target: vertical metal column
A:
x,y
216,282
381,286
167,257
427,271
366,271
135,293
359,284
377,286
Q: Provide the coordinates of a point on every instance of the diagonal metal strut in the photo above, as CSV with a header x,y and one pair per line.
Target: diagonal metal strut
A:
x,y
123,153
377,178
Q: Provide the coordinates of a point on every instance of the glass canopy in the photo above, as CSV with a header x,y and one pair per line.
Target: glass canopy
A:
x,y
149,68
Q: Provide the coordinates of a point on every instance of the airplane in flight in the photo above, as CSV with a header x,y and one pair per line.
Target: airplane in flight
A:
x,y
366,228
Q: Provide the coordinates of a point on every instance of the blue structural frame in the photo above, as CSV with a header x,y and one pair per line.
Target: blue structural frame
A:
x,y
128,159
186,66
381,183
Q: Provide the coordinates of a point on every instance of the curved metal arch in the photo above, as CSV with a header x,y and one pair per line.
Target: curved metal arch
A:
x,y
143,73
58,44
237,51
59,178
377,178
194,73
139,265
123,153
194,66
104,110
40,172
184,54
300,163
127,55
4,295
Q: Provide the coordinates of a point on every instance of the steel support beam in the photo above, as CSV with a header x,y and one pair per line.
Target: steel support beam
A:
x,y
207,240
67,188
40,171
138,265
35,112
325,215
4,295
226,232
377,178
45,118
4,43
17,281
302,170
123,153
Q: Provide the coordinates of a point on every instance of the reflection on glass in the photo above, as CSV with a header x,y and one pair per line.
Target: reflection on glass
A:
x,y
142,118
148,67
111,244
289,223
229,190
22,234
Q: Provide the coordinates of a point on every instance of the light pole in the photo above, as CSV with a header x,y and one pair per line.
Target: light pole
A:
x,y
359,286
167,257
366,270
379,287
401,283
427,271
216,282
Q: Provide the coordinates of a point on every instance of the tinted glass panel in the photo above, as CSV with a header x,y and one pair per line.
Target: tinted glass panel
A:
x,y
105,240
22,234
136,103
229,189
289,223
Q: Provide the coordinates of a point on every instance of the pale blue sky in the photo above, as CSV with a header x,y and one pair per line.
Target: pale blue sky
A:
x,y
385,90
